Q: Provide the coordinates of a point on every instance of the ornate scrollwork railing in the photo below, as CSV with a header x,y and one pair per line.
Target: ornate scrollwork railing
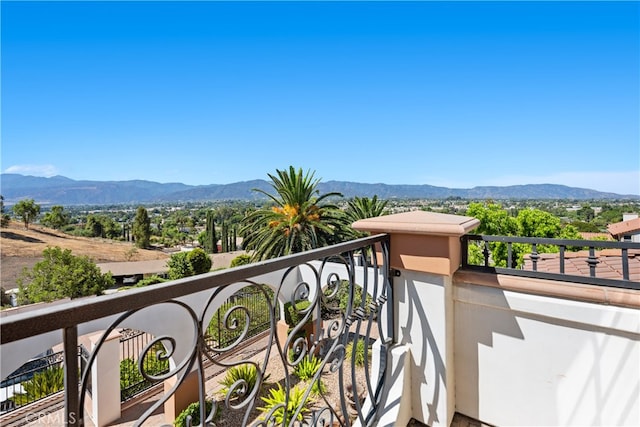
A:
x,y
322,363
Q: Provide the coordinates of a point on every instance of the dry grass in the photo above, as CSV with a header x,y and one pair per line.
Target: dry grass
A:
x,y
23,248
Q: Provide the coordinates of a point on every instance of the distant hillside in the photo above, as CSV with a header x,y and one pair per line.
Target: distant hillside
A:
x,y
64,191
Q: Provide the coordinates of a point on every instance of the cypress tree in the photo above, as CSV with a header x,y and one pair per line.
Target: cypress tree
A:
x,y
225,237
210,240
234,246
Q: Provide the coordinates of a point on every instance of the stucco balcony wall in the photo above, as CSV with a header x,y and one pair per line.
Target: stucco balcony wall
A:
x,y
547,360
507,350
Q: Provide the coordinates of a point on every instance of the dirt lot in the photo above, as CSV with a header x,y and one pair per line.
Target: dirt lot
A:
x,y
21,248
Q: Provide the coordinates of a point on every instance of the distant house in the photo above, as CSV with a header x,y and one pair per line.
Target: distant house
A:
x,y
128,273
627,230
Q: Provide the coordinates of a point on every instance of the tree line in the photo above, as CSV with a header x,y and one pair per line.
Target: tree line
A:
x,y
296,218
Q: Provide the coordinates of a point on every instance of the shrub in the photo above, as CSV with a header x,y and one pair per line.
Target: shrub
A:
x,y
193,411
358,359
247,372
306,369
243,259
343,297
293,315
277,398
260,316
152,280
131,379
42,384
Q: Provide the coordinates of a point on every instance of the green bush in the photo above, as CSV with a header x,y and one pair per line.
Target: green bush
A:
x,y
292,315
246,372
152,280
277,396
243,259
260,316
193,410
343,297
306,369
360,355
131,379
42,384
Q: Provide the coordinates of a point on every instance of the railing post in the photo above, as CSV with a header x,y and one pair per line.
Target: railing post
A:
x,y
464,244
592,261
534,257
625,263
425,251
71,376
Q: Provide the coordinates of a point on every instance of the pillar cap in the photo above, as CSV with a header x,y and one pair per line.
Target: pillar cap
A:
x,y
419,222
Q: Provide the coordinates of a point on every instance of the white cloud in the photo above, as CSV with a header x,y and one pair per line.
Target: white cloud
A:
x,y
35,170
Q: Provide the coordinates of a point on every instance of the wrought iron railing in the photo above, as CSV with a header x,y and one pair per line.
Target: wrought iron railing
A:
x,y
132,382
524,256
38,378
183,309
252,298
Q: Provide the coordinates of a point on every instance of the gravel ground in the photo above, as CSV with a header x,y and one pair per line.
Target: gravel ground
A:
x,y
276,373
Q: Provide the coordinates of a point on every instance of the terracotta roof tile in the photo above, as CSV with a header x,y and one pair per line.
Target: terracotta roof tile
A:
x,y
624,227
609,264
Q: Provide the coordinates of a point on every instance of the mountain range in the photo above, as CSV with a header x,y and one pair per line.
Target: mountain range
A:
x,y
59,190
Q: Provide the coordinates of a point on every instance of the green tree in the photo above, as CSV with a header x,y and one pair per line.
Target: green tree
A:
x,y
585,213
27,210
61,275
494,220
362,208
56,218
94,226
142,228
528,223
199,261
185,264
210,239
301,219
102,226
585,226
537,223
179,267
4,218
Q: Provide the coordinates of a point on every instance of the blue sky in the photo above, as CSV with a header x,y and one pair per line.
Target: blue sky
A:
x,y
456,94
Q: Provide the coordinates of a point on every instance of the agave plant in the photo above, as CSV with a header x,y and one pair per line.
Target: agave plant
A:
x,y
277,402
244,375
306,370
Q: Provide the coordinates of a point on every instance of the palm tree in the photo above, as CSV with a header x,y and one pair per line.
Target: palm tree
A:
x,y
361,208
299,221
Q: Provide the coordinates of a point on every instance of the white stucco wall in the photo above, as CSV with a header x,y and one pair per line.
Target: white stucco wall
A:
x,y
523,359
423,306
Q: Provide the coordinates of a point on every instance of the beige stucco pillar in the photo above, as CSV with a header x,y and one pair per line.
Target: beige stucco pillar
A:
x,y
187,393
105,380
425,251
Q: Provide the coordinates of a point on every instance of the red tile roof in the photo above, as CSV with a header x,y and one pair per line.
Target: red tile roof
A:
x,y
608,267
625,227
